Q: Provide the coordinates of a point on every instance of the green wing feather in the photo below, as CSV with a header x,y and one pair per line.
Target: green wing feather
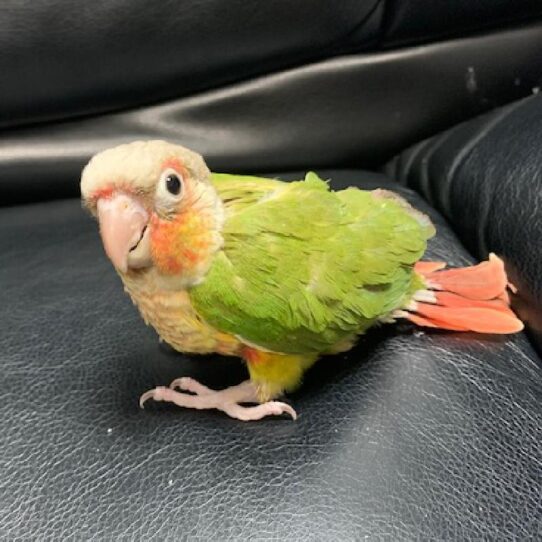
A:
x,y
303,267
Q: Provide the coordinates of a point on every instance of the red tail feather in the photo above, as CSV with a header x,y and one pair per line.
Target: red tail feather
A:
x,y
447,299
467,299
487,280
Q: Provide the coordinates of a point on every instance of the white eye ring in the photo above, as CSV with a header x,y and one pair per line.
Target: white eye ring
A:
x,y
170,189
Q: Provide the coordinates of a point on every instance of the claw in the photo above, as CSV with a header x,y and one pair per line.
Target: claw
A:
x,y
271,408
145,397
287,409
226,400
160,393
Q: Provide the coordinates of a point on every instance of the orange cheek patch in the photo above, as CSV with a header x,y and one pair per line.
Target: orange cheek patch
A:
x,y
201,244
165,244
190,255
178,245
173,265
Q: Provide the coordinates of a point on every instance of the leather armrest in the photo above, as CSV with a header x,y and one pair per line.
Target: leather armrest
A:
x,y
485,177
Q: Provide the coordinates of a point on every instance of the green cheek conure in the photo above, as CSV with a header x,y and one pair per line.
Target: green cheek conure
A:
x,y
278,273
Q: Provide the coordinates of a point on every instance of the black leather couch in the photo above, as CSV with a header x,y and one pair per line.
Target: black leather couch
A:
x,y
414,435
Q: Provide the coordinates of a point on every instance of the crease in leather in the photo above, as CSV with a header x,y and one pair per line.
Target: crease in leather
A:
x,y
325,114
433,145
401,172
344,40
115,87
446,183
159,70
487,180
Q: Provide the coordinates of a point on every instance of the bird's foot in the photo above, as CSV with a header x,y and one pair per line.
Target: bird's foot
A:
x,y
227,400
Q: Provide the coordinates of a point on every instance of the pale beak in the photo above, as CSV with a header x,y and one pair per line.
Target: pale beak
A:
x,y
123,222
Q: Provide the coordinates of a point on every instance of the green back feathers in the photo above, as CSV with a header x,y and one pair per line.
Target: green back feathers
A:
x,y
304,267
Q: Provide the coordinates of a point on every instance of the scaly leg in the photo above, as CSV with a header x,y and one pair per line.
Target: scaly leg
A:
x,y
225,400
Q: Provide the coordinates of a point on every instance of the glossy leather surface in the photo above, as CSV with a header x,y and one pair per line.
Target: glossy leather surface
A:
x,y
67,58
485,177
348,110
411,436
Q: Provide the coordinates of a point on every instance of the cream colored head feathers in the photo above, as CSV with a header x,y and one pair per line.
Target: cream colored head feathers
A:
x,y
137,165
156,208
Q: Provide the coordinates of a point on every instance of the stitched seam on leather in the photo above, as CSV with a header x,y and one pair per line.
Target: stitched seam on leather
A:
x,y
404,172
458,162
484,130
424,166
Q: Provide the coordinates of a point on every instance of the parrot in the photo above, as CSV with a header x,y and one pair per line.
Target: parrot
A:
x,y
276,273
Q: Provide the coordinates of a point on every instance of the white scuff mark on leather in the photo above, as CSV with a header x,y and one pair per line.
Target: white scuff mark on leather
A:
x,y
470,80
535,90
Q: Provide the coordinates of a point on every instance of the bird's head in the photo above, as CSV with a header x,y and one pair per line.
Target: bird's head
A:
x,y
156,208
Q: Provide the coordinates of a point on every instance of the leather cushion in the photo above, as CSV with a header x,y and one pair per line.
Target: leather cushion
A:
x,y
485,177
63,58
413,435
329,114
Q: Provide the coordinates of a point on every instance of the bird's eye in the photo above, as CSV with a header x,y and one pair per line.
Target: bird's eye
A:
x,y
173,184
170,187
169,191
